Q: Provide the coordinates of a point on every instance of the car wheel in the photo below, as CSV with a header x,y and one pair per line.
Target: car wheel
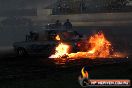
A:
x,y
21,52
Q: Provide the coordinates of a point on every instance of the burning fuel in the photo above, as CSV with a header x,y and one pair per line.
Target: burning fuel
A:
x,y
61,51
98,47
57,38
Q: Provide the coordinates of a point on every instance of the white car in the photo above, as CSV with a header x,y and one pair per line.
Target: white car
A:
x,y
43,43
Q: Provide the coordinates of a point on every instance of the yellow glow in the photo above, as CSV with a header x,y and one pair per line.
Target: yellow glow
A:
x,y
84,73
61,50
57,38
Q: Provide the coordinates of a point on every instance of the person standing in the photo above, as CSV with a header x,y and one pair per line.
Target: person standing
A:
x,y
58,24
67,24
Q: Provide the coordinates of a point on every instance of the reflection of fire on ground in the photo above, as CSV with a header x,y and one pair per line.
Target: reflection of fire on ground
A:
x,y
98,47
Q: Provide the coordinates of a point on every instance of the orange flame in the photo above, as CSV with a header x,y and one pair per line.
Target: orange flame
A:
x,y
99,47
57,38
61,50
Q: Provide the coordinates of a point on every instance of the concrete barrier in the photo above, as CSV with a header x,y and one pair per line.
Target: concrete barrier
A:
x,y
91,19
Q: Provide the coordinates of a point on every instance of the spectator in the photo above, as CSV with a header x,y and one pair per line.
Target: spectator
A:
x,y
58,24
67,24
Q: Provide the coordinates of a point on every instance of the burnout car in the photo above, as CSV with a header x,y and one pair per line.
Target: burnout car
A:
x,y
44,42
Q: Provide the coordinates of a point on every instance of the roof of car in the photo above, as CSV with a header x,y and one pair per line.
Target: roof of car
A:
x,y
55,30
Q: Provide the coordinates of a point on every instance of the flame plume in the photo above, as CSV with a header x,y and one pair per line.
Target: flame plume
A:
x,y
61,50
98,47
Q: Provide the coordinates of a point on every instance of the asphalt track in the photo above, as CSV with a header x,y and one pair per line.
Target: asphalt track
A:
x,y
39,72
32,67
